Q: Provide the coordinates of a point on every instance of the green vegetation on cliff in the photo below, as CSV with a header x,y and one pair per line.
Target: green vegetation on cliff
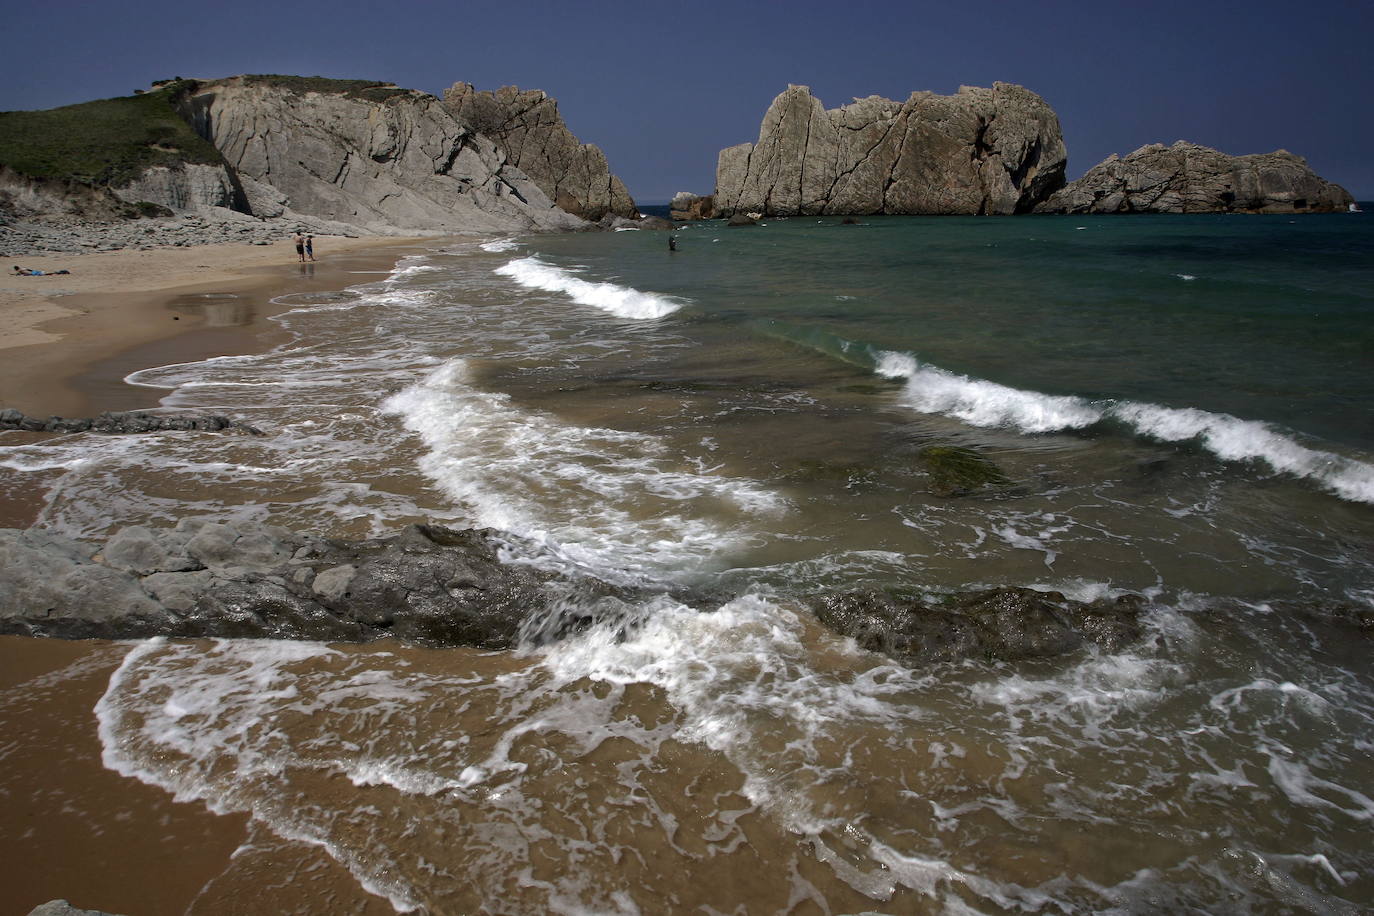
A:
x,y
371,90
105,143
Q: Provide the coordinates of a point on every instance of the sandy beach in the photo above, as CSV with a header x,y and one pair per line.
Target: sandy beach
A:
x,y
71,338
72,828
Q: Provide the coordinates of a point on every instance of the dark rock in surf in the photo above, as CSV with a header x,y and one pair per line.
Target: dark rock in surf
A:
x,y
956,471
741,219
654,223
1003,623
122,423
686,207
427,585
63,908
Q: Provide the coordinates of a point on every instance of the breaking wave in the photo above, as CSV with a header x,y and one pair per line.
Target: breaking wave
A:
x,y
622,301
978,402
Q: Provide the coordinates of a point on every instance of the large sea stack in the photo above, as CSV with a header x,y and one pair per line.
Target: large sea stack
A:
x,y
979,151
1188,178
527,127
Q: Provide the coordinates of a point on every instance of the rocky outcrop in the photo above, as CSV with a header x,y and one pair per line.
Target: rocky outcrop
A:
x,y
63,908
24,197
427,585
687,206
527,127
1187,178
980,151
389,160
122,423
188,186
1004,623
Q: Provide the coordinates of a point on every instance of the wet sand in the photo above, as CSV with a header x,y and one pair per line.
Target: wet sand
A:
x,y
69,828
69,348
70,339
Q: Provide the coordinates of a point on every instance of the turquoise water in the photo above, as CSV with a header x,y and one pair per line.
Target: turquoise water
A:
x,y
1177,406
1266,319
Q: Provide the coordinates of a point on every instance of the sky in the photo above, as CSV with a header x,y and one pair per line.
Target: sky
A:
x,y
663,87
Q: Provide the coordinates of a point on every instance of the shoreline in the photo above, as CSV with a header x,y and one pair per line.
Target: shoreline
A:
x,y
71,346
73,338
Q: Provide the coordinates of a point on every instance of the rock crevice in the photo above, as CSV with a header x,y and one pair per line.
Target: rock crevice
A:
x,y
1188,178
993,151
527,128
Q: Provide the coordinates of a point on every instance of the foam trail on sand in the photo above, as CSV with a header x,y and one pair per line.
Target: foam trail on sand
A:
x,y
622,301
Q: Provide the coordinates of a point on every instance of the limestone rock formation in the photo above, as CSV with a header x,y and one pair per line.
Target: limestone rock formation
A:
x,y
527,127
188,186
1188,178
1002,623
688,206
63,908
426,585
980,151
380,160
121,423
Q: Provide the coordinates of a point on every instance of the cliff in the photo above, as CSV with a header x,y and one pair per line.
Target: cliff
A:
x,y
980,151
366,154
527,126
375,156
1187,178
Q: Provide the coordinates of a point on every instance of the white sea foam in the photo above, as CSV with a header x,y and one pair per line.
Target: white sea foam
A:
x,y
622,301
496,246
930,389
584,491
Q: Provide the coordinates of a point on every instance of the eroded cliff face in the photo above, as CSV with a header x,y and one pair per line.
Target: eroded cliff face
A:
x,y
396,160
1188,178
980,151
527,127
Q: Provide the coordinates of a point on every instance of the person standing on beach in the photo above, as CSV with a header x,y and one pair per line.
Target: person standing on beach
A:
x,y
310,246
300,247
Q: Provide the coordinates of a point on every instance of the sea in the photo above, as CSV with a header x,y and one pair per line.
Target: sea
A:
x,y
1178,407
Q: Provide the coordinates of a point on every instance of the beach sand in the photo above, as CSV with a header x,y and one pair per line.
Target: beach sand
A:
x,y
70,828
71,338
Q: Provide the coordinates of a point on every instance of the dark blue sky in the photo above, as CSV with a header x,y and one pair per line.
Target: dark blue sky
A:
x,y
662,87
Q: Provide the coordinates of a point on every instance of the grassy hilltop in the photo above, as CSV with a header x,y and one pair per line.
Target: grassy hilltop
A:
x,y
110,142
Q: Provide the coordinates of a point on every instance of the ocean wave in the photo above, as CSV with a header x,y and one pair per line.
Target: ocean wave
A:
x,y
622,301
979,402
502,463
496,246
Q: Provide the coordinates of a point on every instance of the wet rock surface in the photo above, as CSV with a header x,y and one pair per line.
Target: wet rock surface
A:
x,y
428,585
63,908
1008,624
122,423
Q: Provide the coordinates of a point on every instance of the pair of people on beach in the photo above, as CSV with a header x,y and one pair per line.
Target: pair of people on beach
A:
x,y
305,246
26,272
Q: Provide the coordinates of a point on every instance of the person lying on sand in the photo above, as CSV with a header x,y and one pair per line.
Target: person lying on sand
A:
x,y
26,272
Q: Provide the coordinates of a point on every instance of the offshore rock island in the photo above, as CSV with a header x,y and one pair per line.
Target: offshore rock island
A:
x,y
980,151
1188,178
353,157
